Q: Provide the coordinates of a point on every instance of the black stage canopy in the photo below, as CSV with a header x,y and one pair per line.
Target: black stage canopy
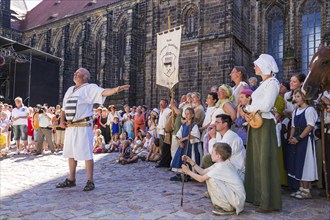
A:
x,y
29,73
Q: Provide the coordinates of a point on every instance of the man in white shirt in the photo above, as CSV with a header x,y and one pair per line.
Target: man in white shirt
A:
x,y
222,133
44,131
165,148
19,118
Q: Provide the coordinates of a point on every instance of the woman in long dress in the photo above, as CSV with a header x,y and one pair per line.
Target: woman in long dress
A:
x,y
262,174
302,141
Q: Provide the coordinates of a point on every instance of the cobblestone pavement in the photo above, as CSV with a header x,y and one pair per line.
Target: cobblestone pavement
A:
x,y
134,191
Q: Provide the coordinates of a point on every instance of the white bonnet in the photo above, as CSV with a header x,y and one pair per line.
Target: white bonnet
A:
x,y
267,64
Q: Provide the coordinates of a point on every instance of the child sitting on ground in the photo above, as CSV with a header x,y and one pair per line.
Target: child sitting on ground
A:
x,y
148,141
138,142
224,185
126,154
154,154
99,142
114,143
4,126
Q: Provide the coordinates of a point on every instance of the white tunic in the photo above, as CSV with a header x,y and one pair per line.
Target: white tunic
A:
x,y
225,187
238,151
78,143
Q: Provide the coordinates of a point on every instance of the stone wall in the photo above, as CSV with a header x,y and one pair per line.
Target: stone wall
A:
x,y
117,43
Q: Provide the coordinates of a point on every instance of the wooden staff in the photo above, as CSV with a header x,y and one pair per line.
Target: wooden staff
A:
x,y
185,162
323,152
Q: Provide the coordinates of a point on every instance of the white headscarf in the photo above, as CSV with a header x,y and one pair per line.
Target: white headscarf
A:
x,y
267,64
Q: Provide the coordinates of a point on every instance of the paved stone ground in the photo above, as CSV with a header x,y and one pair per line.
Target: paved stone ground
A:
x,y
135,191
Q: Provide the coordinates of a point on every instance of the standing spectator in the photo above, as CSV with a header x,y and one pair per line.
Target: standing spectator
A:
x,y
224,105
262,179
127,112
112,114
302,140
128,126
60,132
198,108
253,83
45,131
240,123
97,116
214,89
165,148
30,132
211,99
115,127
19,118
78,108
139,121
105,125
7,110
238,76
153,121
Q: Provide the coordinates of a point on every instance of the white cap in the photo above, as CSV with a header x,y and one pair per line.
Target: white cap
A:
x,y
267,64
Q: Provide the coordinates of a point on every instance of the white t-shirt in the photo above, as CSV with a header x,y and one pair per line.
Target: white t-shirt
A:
x,y
20,112
226,177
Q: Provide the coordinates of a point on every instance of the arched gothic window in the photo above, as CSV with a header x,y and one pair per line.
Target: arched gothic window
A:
x,y
311,32
191,23
275,38
121,52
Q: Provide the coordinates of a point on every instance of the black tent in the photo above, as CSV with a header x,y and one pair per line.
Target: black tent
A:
x,y
28,73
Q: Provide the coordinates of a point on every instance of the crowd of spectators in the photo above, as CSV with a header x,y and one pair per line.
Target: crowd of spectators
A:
x,y
184,136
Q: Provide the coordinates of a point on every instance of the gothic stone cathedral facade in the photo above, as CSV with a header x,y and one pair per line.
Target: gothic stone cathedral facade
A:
x,y
116,40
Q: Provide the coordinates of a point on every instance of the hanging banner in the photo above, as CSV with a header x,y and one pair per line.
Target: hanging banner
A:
x,y
168,52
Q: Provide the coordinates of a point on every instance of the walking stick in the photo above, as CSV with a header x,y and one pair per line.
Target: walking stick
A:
x,y
323,153
185,162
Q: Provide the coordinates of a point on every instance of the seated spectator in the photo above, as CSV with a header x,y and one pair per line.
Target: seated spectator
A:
x,y
4,126
114,144
224,186
126,155
154,154
144,151
99,142
138,141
